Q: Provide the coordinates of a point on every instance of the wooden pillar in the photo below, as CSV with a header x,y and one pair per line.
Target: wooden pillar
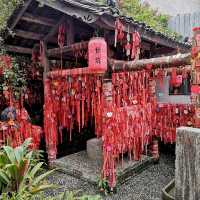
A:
x,y
107,102
187,174
107,90
50,147
45,60
50,132
195,96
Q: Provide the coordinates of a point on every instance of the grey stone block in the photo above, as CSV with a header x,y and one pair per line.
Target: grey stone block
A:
x,y
94,149
187,174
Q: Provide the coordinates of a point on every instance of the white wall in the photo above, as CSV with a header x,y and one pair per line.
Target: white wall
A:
x,y
174,7
164,97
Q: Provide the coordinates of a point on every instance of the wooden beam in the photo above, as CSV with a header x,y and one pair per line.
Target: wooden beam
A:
x,y
17,49
38,19
28,35
165,62
75,71
54,29
145,46
67,49
20,14
164,51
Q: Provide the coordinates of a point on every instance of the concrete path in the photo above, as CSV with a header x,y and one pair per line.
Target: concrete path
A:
x,y
145,186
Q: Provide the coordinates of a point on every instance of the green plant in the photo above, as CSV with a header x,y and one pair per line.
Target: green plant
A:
x,y
73,196
21,173
89,197
104,186
6,9
13,77
144,13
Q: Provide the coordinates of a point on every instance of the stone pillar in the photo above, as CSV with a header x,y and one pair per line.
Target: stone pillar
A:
x,y
94,149
187,174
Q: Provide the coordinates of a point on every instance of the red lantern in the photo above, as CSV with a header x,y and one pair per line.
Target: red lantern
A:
x,y
97,50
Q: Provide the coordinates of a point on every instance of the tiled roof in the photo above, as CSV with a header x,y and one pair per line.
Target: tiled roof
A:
x,y
96,8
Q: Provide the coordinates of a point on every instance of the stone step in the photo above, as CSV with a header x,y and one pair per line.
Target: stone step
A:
x,y
82,167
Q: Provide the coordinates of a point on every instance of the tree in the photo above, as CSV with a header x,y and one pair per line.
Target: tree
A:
x,y
143,13
6,10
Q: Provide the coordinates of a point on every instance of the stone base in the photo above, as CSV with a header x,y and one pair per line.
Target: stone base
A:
x,y
94,149
168,192
81,166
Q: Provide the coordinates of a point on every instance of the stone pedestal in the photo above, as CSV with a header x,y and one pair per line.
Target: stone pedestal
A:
x,y
94,149
187,175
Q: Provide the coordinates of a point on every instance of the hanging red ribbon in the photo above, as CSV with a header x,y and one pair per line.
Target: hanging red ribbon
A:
x,y
61,36
136,40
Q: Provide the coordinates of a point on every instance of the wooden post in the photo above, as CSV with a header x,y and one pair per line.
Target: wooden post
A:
x,y
45,61
107,100
51,149
187,174
107,90
196,74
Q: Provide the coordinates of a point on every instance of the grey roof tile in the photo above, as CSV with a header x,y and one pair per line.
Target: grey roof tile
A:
x,y
94,7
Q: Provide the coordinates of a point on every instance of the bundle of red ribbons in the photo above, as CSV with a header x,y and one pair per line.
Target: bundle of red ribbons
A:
x,y
135,118
15,132
130,123
15,129
71,102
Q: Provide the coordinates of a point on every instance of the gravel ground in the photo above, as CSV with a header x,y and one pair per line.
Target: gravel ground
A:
x,y
145,186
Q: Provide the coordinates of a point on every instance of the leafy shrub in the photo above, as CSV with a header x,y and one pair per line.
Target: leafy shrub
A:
x,y
21,174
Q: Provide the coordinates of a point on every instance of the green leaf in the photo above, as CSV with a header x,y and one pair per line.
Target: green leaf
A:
x,y
36,169
29,157
10,153
43,176
26,143
4,177
19,153
12,170
42,188
3,159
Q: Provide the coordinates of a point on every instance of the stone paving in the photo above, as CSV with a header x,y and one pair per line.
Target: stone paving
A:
x,y
145,186
81,166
